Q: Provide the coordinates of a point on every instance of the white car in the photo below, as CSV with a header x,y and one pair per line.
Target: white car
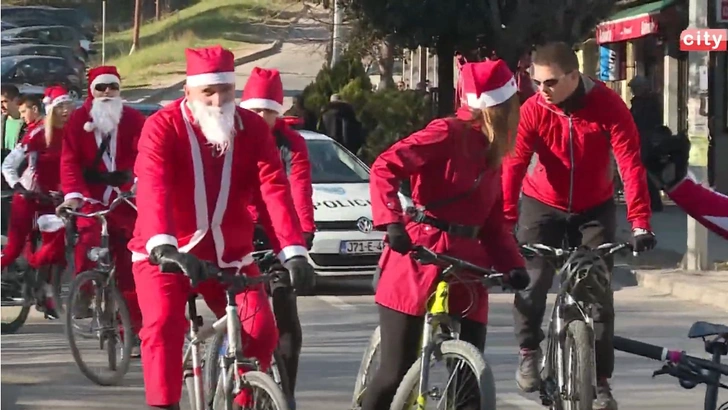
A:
x,y
345,245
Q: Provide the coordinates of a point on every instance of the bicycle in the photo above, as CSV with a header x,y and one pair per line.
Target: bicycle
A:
x,y
568,369
24,286
267,263
110,320
440,340
689,370
235,372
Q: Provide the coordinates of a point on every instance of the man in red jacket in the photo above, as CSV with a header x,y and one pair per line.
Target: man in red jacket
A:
x,y
98,154
263,94
573,125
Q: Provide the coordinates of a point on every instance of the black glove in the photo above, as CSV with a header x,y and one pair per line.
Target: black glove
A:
x,y
118,178
643,240
20,189
667,160
398,238
308,237
171,260
518,279
92,176
303,277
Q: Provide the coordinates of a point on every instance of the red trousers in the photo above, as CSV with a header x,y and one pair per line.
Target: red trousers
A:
x,y
23,213
120,223
163,300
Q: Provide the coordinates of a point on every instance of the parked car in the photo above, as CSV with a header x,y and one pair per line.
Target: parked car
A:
x,y
4,25
50,50
346,248
46,15
40,71
58,35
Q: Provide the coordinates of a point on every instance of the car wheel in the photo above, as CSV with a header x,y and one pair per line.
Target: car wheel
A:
x,y
74,93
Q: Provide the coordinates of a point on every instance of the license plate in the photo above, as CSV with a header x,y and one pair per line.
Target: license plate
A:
x,y
361,247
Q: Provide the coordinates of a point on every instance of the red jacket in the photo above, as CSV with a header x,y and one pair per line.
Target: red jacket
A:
x,y
294,155
708,207
42,172
441,161
80,148
574,172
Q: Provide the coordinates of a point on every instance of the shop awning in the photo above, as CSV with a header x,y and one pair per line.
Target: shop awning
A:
x,y
631,23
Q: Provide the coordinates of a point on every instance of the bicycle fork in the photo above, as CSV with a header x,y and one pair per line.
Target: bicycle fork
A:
x,y
195,322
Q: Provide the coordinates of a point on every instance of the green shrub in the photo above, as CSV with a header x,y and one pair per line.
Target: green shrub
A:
x,y
332,80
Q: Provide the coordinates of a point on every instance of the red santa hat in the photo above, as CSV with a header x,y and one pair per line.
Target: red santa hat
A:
x,y
210,66
55,95
105,74
487,83
263,91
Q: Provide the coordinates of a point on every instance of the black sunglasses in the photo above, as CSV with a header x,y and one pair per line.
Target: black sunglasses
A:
x,y
103,87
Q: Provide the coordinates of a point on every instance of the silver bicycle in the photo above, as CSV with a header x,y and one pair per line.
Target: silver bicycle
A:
x,y
568,370
236,372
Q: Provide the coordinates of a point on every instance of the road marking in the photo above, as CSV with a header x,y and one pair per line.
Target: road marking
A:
x,y
336,302
519,402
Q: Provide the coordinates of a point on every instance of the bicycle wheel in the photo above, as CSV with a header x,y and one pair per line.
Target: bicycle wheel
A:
x,y
578,367
265,394
17,299
110,326
450,350
367,368
217,348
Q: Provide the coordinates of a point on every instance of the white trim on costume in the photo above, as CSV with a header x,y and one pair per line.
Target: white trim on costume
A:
x,y
160,239
262,104
105,79
291,251
73,195
198,80
492,97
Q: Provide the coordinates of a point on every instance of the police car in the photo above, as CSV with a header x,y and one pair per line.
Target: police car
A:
x,y
345,246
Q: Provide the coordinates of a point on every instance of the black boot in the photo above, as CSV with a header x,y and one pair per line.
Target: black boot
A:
x,y
170,407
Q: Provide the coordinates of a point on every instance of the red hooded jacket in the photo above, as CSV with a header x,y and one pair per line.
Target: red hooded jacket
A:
x,y
574,172
294,155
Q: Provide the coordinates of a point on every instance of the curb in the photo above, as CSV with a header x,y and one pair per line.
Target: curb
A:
x,y
683,289
272,49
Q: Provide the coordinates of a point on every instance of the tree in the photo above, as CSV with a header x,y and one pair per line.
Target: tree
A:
x,y
506,27
380,48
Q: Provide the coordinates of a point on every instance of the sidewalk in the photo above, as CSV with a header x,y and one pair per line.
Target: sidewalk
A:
x,y
659,269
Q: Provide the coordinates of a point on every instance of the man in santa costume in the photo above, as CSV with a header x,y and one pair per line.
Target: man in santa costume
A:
x,y
263,94
99,150
202,160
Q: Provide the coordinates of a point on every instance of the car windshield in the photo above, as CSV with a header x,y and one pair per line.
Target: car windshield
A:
x,y
332,164
7,65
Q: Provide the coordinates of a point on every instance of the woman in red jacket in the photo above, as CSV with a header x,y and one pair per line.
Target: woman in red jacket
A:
x,y
453,166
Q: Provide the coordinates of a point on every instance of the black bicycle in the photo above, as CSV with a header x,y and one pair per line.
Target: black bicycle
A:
x,y
689,370
568,371
23,286
109,326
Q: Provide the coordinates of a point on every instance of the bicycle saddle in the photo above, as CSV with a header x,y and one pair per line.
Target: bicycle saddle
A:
x,y
703,329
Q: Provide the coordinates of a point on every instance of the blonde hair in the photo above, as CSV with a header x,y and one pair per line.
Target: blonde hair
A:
x,y
52,121
499,124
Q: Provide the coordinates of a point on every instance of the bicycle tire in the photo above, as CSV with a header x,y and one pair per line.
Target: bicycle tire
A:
x,y
365,369
255,379
17,323
578,336
466,352
122,314
277,370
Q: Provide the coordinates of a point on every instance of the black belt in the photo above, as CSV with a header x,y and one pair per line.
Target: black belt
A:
x,y
465,231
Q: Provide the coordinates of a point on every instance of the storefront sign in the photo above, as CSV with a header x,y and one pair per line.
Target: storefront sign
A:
x,y
721,13
611,62
627,28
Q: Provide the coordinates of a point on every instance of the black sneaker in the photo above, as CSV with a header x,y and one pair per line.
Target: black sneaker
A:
x,y
136,348
604,400
528,376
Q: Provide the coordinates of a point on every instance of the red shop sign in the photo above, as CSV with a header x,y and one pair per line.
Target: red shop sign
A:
x,y
627,28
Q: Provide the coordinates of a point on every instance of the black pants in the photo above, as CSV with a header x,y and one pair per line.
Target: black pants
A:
x,y
540,223
289,329
401,336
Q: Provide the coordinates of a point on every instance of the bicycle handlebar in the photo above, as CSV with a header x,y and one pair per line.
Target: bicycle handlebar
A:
x,y
545,250
124,196
427,256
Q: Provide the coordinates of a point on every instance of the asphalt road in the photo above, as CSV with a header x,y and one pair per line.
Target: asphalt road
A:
x,y
38,371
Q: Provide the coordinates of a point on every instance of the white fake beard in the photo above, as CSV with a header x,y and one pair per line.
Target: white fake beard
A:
x,y
106,113
217,123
